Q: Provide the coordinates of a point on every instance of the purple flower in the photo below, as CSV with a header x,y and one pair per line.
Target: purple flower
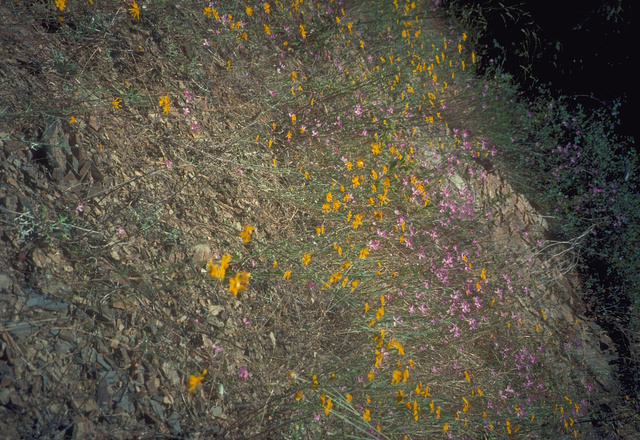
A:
x,y
243,374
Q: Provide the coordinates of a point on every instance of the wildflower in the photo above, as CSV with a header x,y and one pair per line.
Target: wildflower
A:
x,y
348,397
243,374
164,103
298,396
72,120
267,30
245,234
239,282
60,4
134,10
116,103
306,258
80,207
216,271
328,406
286,275
302,31
195,380
249,10
366,415
267,8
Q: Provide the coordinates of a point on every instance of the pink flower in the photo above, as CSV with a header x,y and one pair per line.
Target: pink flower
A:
x,y
195,126
80,207
243,374
246,321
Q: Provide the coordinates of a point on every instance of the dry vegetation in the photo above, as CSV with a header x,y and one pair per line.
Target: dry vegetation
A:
x,y
398,287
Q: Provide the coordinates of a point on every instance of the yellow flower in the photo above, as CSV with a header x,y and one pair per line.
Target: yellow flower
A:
x,y
298,396
245,234
445,428
348,397
164,100
360,163
366,415
239,282
467,377
328,407
195,380
354,284
216,271
72,120
116,103
357,221
249,10
266,29
364,252
306,258
61,4
302,31
397,376
286,275
134,10
267,8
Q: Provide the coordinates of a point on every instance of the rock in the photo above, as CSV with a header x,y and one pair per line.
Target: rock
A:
x,y
174,423
5,283
170,373
21,329
4,396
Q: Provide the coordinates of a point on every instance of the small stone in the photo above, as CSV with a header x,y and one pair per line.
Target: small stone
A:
x,y
4,396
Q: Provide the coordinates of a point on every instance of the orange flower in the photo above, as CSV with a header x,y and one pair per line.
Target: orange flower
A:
x,y
216,271
245,234
134,10
195,380
239,282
